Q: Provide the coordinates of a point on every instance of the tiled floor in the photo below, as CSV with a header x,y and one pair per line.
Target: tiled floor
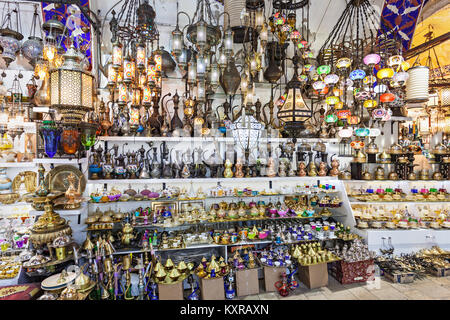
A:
x,y
429,288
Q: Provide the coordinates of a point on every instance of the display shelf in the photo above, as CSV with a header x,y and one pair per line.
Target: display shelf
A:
x,y
398,181
205,139
60,161
63,213
17,164
399,202
406,241
190,180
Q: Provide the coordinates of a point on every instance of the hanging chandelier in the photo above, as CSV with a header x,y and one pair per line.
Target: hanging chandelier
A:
x,y
10,35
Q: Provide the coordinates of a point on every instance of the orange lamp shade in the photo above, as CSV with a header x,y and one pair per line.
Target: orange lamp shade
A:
x,y
387,97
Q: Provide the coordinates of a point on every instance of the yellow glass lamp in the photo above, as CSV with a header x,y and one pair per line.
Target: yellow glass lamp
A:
x,y
385,73
332,100
369,104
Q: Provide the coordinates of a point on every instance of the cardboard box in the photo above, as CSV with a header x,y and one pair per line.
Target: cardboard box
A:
x,y
171,291
441,272
352,272
272,275
247,282
407,277
314,276
212,289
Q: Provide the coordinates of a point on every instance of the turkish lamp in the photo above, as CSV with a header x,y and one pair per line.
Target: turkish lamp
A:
x,y
371,59
319,85
201,35
332,100
385,73
201,67
444,94
112,76
401,77
192,72
417,84
331,79
201,90
127,70
343,63
49,51
140,57
222,58
323,69
117,55
228,41
370,104
71,89
214,75
259,18
123,94
147,96
244,83
433,100
182,58
177,42
41,69
357,74
264,34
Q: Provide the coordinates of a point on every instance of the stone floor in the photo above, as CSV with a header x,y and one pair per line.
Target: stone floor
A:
x,y
429,288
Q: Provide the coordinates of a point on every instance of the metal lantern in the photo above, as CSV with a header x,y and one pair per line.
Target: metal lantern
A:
x,y
417,84
247,131
71,89
294,112
445,97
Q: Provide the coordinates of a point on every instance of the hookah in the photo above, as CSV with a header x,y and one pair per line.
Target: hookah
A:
x,y
155,169
195,294
141,285
230,293
118,289
108,268
126,268
166,168
292,284
282,285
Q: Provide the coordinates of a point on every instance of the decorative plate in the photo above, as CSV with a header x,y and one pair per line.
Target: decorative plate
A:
x,y
56,179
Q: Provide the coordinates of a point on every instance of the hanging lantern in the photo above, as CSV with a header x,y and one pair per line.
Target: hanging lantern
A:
x,y
331,79
112,76
401,77
294,112
385,73
417,84
332,100
433,100
343,63
10,42
117,55
177,41
324,69
357,74
387,97
445,97
372,59
140,57
71,89
369,104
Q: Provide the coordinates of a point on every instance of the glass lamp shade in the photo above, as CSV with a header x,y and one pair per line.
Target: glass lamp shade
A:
x,y
117,55
323,69
405,66
41,69
295,36
385,73
294,109
201,34
303,78
201,67
380,88
400,77
331,79
387,97
112,76
308,68
127,71
417,84
183,58
339,105
10,43
343,63
228,41
214,75
177,42
372,59
445,98
319,85
123,94
433,100
332,100
71,92
357,74
151,74
70,141
396,60
51,136
362,132
140,57
331,118
247,131
32,48
147,96
369,79
369,104
49,51
192,72
88,135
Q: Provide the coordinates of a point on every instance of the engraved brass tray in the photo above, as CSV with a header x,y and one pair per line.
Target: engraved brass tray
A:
x,y
56,179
